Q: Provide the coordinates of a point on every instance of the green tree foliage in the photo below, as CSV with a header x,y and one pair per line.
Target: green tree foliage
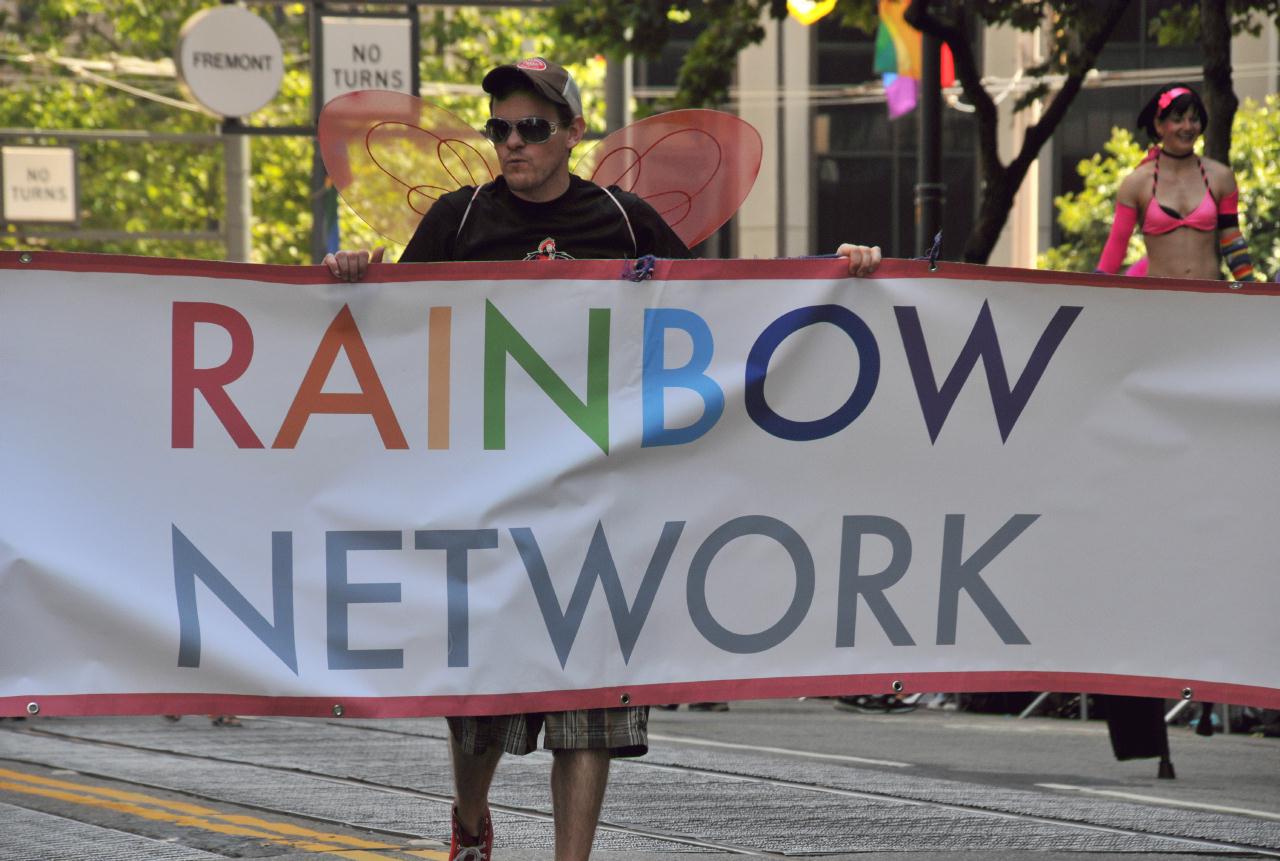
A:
x,y
179,187
1085,217
139,185
643,27
1210,24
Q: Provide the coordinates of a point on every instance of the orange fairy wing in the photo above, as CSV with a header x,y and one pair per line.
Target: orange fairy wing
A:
x,y
391,155
695,167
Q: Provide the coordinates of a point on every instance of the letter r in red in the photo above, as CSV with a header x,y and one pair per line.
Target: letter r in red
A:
x,y
211,382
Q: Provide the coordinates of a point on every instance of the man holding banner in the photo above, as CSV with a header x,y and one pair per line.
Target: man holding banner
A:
x,y
537,209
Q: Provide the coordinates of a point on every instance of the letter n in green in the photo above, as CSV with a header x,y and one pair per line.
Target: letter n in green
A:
x,y
501,340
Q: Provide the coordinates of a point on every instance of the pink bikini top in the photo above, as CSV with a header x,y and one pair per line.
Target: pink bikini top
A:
x,y
1161,219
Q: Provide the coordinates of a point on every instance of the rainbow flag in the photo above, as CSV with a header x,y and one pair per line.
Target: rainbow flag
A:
x,y
898,58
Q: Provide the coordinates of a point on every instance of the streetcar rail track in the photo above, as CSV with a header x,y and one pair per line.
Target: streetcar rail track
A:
x,y
880,796
1192,843
423,795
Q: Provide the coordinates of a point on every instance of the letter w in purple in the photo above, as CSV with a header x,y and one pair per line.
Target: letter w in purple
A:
x,y
936,402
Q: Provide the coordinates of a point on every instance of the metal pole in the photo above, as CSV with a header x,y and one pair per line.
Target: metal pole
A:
x,y
931,192
237,169
896,247
615,92
1035,704
782,144
317,165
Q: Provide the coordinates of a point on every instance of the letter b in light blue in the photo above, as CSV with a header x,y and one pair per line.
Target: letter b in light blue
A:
x,y
656,378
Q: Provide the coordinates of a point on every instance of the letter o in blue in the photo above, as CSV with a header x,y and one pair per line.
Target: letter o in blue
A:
x,y
769,341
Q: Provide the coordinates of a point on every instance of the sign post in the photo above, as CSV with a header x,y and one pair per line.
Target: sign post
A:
x,y
231,63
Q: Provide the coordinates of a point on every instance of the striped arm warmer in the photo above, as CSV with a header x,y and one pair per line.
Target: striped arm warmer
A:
x,y
1235,251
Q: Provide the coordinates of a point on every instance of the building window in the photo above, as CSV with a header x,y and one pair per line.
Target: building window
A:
x,y
865,179
842,55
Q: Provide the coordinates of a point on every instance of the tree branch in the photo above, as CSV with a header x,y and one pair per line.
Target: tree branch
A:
x,y
1079,66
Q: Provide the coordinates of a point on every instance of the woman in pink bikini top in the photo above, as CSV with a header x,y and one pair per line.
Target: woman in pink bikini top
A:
x,y
1186,206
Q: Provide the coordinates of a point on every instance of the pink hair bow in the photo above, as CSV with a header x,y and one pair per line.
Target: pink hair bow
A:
x,y
1167,97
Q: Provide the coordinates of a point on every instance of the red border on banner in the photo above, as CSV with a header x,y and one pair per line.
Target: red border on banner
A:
x,y
791,268
83,705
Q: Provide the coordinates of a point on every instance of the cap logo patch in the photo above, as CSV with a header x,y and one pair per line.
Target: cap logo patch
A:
x,y
533,64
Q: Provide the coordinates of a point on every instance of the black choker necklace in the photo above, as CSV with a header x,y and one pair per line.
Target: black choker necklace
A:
x,y
1167,154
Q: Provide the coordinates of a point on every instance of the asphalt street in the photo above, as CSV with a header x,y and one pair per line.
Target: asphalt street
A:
x,y
770,779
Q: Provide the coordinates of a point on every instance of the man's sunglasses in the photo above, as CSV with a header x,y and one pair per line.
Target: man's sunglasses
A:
x,y
534,130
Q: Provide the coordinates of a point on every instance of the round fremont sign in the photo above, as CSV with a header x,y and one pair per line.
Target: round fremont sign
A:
x,y
229,60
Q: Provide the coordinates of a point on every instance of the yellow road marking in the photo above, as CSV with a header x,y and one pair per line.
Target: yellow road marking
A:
x,y
205,818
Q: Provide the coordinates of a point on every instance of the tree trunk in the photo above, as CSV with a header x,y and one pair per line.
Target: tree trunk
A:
x,y
993,212
1219,93
1000,182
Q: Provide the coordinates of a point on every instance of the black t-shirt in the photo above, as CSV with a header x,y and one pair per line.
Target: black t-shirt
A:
x,y
583,223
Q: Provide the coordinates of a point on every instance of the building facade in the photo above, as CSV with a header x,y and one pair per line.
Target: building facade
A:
x,y
837,168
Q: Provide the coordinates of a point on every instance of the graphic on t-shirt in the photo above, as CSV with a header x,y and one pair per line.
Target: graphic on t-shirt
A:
x,y
547,251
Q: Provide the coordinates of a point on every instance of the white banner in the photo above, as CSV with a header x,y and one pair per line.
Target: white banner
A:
x,y
496,487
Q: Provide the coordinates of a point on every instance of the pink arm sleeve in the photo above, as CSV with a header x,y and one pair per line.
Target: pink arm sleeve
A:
x,y
1230,204
1118,241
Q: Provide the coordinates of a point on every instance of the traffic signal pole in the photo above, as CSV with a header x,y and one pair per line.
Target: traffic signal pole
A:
x,y
931,191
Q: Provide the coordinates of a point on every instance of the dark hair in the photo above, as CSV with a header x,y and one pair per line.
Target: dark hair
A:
x,y
510,86
1180,103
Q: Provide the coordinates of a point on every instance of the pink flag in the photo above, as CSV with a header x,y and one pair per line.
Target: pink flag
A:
x,y
901,94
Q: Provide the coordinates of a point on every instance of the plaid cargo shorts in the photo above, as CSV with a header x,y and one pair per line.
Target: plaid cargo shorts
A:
x,y
622,731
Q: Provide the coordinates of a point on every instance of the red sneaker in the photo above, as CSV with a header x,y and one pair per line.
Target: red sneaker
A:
x,y
464,847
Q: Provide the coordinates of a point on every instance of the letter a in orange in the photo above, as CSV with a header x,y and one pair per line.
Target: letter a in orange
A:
x,y
342,334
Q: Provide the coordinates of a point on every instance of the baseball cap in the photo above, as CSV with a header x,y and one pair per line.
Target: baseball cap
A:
x,y
550,80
